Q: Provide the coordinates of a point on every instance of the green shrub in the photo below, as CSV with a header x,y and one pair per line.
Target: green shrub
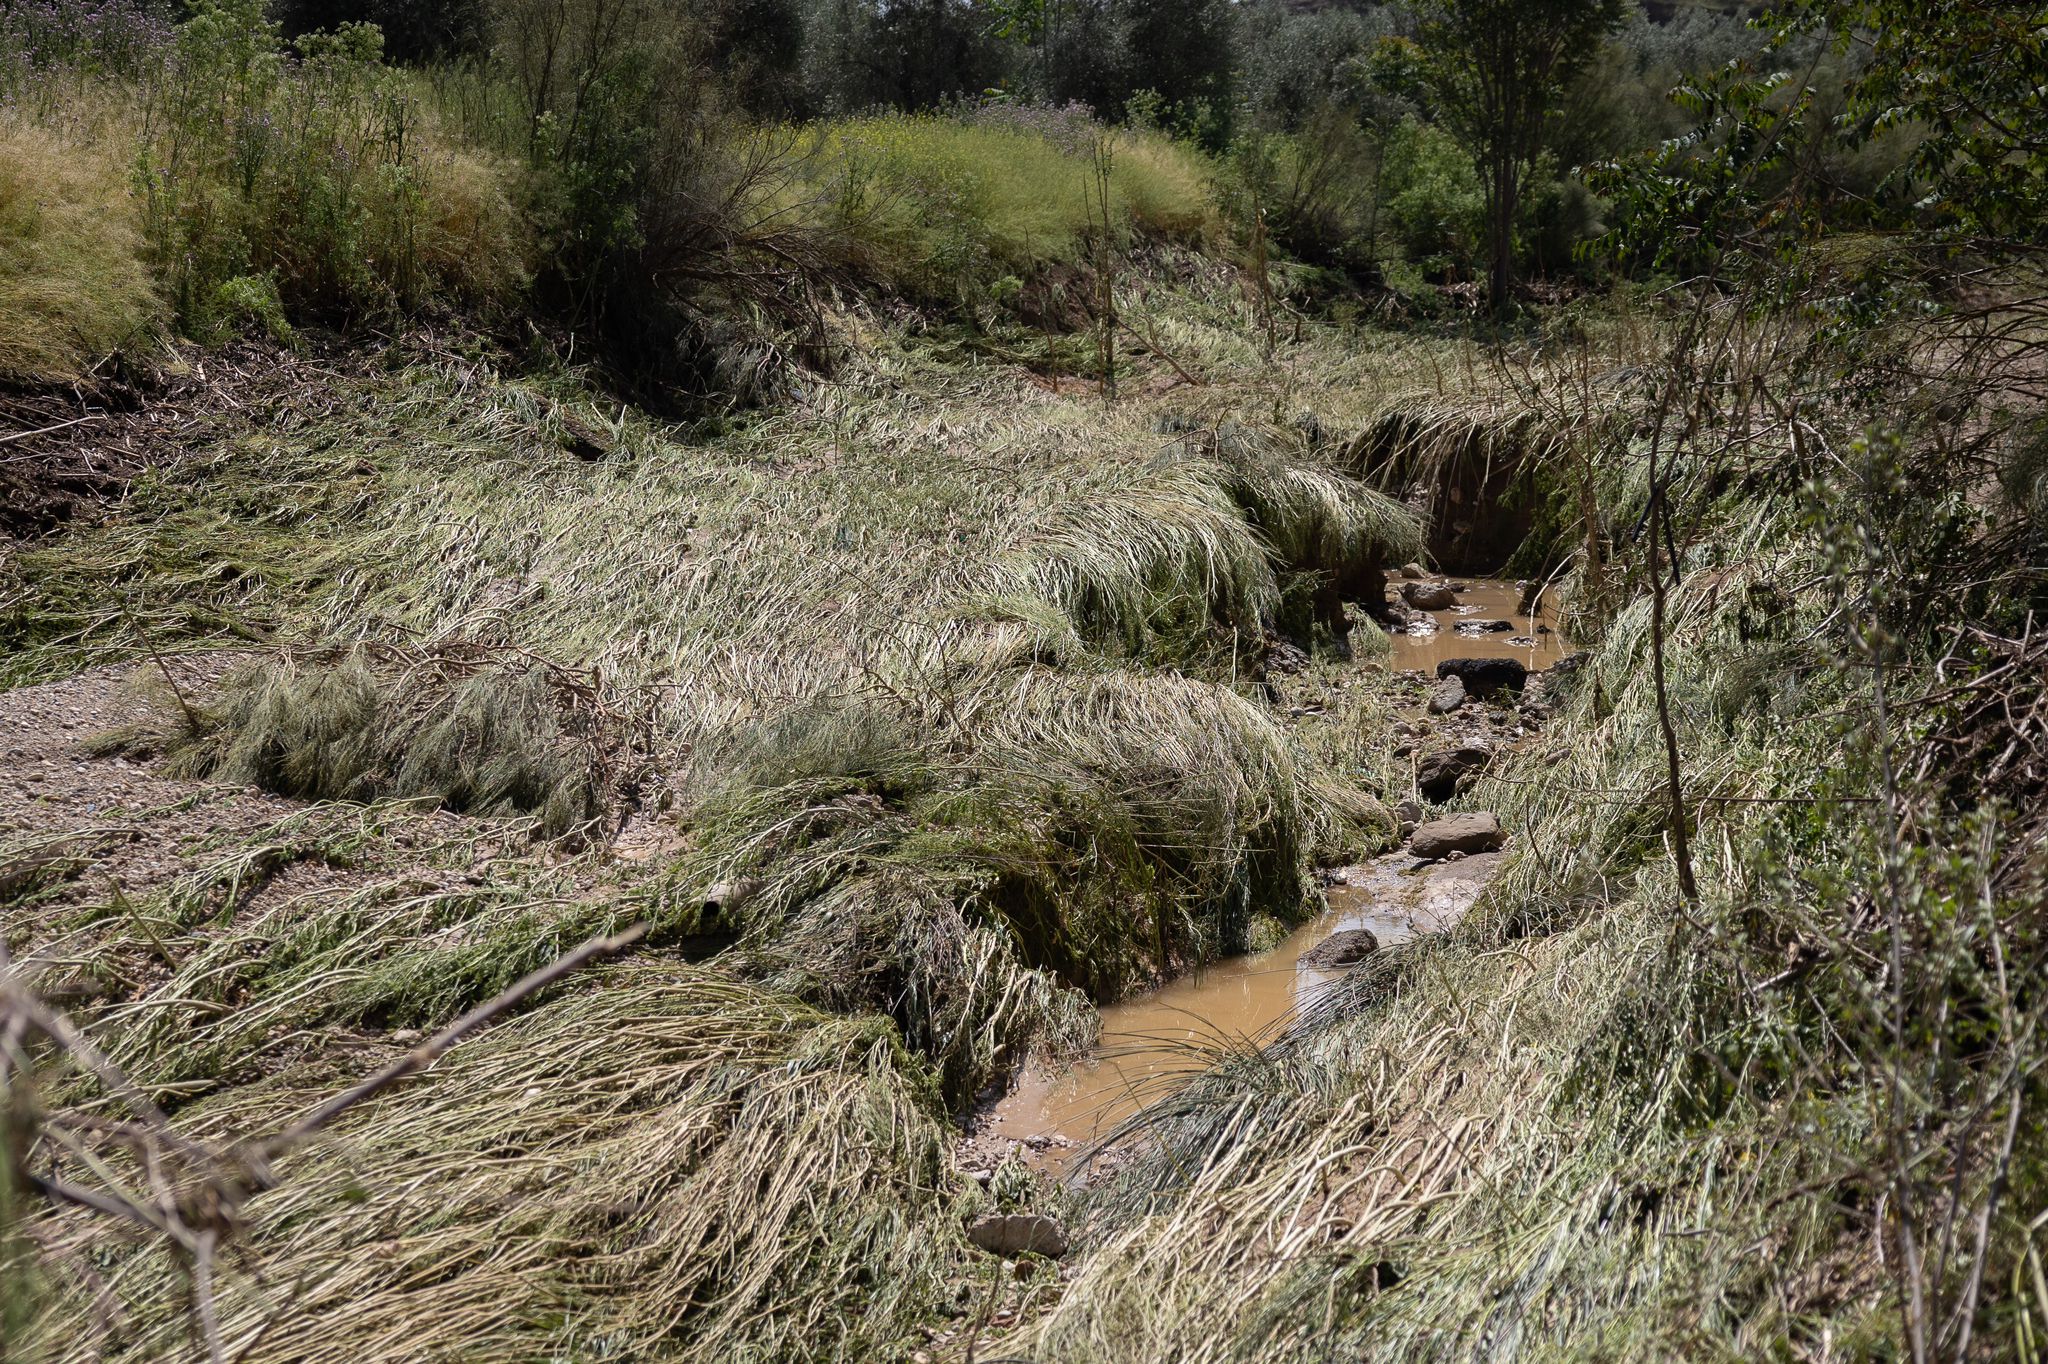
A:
x,y
313,167
74,285
1433,203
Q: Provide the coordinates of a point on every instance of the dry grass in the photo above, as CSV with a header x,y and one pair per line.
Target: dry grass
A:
x,y
664,1163
75,285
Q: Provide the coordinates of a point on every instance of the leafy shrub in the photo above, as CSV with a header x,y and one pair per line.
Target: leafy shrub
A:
x,y
74,284
314,167
1433,205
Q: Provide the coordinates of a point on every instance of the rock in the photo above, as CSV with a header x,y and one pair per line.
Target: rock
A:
x,y
1473,833
1446,696
729,895
1342,950
1429,596
1413,572
1439,775
1018,1233
1485,676
1285,657
1409,811
1569,664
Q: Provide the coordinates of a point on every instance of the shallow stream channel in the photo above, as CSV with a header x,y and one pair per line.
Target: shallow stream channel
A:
x,y
1153,1042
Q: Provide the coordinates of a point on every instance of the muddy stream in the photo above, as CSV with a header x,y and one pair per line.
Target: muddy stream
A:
x,y
1152,1042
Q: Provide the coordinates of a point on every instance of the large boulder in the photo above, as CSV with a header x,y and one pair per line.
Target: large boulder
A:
x,y
1426,596
1342,950
1485,676
1472,833
1438,775
1018,1233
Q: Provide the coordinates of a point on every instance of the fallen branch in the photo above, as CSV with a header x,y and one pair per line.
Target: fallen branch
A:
x,y
200,1189
431,1050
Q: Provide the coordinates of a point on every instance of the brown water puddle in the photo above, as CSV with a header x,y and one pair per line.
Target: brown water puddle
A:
x,y
1156,1041
1533,640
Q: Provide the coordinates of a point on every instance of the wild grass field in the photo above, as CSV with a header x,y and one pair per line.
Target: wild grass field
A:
x,y
586,680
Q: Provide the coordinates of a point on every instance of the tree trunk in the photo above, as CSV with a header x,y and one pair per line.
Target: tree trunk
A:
x,y
1500,285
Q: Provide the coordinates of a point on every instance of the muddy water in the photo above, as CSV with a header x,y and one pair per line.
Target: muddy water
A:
x,y
1533,640
1154,1042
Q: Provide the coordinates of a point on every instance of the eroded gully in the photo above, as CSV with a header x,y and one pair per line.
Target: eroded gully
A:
x,y
1154,1041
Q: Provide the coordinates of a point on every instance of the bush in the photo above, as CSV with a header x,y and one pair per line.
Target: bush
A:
x,y
316,168
74,284
1433,206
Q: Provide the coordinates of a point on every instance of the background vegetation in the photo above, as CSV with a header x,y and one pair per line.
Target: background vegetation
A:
x,y
863,511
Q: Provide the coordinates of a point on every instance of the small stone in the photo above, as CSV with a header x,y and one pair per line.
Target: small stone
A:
x,y
1018,1233
1284,657
983,1177
1341,950
406,1037
1446,696
1479,831
730,895
1429,596
1484,676
1413,572
1440,775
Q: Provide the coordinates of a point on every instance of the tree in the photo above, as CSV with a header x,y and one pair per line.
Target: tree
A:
x,y
1498,70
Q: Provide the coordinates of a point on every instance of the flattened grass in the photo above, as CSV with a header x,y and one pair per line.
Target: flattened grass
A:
x,y
656,1163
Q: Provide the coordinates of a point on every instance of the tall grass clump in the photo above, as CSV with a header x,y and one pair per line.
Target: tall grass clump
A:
x,y
488,732
1210,536
945,206
1050,837
75,282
